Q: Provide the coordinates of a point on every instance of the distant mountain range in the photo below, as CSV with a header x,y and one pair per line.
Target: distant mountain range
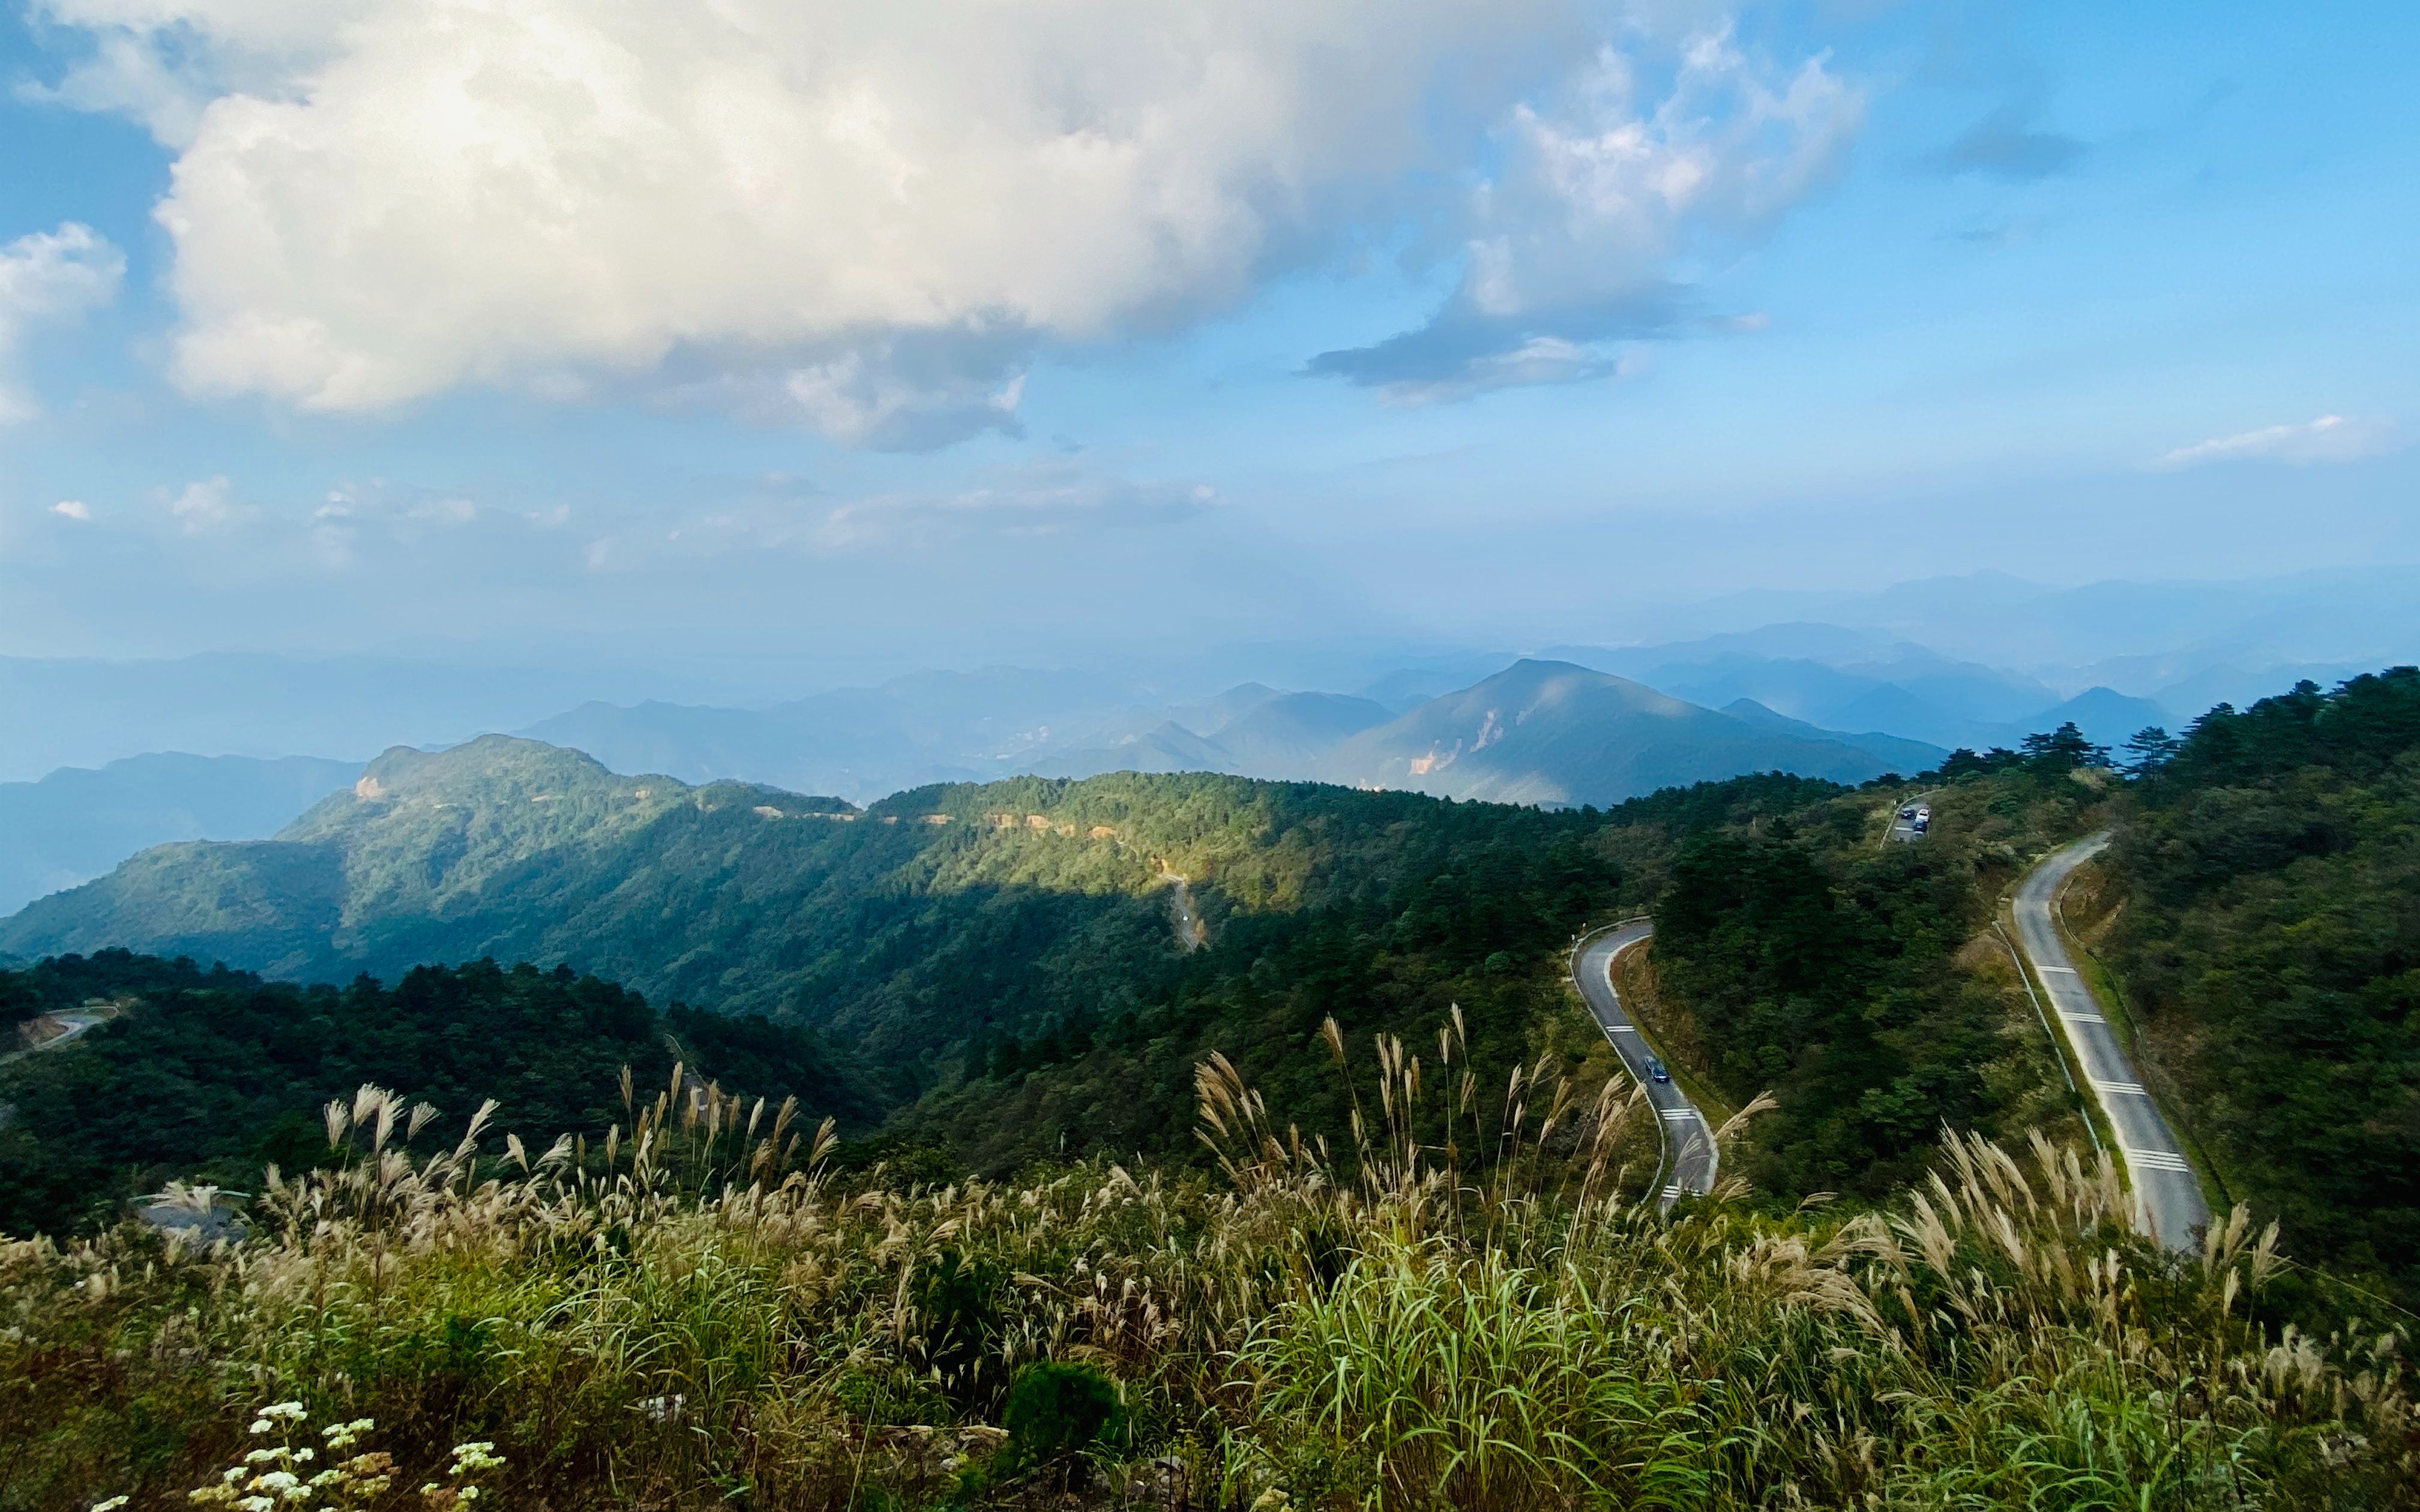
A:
x,y
526,850
863,743
1565,734
1249,731
1841,679
76,824
2364,617
1552,733
1980,660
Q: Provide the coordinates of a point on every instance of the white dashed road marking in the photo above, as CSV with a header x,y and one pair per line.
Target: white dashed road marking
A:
x,y
2155,1160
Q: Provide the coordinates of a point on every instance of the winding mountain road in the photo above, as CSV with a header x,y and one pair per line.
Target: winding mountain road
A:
x,y
2168,1202
68,1024
1690,1157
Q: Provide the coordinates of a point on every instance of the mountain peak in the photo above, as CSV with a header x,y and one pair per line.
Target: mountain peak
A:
x,y
486,760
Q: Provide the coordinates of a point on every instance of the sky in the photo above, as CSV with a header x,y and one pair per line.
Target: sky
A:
x,y
945,333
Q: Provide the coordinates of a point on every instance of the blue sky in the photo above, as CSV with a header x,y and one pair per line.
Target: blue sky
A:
x,y
947,334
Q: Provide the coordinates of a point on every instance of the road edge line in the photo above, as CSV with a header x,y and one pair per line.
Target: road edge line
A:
x,y
2102,983
1667,1152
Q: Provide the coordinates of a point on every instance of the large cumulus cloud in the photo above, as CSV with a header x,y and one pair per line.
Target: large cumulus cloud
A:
x,y
870,216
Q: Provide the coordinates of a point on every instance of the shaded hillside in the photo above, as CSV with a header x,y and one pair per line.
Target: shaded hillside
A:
x,y
209,1074
1543,732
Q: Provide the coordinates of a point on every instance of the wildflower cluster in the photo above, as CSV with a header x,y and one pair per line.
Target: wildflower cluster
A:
x,y
281,1475
461,1487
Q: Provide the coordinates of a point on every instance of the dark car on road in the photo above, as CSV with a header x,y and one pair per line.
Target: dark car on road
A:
x,y
1655,1068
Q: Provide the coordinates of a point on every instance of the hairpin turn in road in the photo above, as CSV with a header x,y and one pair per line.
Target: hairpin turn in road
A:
x,y
1690,1158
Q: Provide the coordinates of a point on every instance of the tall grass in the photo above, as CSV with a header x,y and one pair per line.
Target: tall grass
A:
x,y
1474,1306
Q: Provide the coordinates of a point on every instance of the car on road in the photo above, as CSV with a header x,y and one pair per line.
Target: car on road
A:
x,y
1922,823
1908,812
1655,1070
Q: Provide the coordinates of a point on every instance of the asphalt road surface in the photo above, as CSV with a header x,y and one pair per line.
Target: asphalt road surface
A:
x,y
1190,930
70,1024
1902,827
2168,1203
1690,1156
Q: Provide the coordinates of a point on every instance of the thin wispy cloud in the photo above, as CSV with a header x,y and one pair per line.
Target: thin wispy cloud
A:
x,y
1042,500
50,276
1599,194
2328,438
206,505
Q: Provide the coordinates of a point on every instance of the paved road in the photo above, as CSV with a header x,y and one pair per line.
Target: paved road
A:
x,y
73,1022
1690,1156
2168,1203
1903,829
1190,930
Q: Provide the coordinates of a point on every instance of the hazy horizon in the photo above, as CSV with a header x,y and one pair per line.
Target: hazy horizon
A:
x,y
867,341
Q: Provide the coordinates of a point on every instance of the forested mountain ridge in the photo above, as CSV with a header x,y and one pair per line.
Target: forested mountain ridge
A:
x,y
2264,918
1002,957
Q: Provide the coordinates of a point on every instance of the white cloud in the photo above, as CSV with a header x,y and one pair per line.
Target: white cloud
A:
x,y
382,198
203,506
50,275
376,200
1600,194
855,397
72,509
2328,438
1050,498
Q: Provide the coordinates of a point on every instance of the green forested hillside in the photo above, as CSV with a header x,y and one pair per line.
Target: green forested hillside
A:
x,y
1860,983
1004,960
2269,941
209,1074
